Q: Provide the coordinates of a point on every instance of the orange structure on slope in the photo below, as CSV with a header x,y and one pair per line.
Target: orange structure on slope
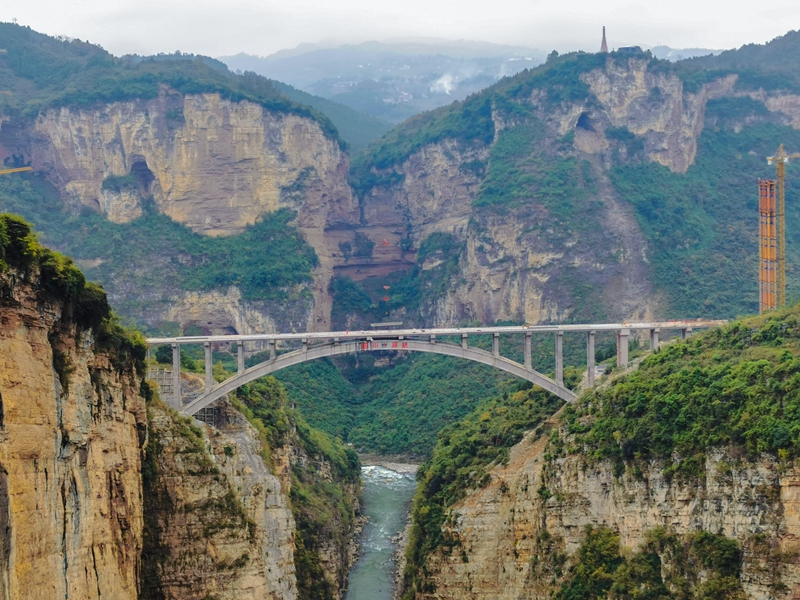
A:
x,y
768,246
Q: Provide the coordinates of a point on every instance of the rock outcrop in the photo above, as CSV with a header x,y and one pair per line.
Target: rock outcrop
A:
x,y
218,522
499,531
72,428
213,164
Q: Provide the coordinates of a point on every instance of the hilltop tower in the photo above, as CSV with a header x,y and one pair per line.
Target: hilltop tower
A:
x,y
604,45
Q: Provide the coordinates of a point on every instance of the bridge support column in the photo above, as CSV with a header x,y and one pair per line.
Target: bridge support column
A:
x,y
240,352
496,345
590,358
433,339
685,333
528,337
304,341
209,374
175,401
622,347
271,350
654,339
464,341
560,358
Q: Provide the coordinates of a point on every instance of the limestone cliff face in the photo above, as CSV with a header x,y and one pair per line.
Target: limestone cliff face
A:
x,y
523,261
70,457
218,522
210,163
654,106
501,527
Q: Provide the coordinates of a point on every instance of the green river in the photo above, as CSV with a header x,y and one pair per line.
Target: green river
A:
x,y
387,495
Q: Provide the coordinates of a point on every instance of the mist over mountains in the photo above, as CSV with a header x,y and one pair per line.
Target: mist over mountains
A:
x,y
392,80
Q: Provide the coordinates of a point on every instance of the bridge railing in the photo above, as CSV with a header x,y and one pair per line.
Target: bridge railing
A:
x,y
393,339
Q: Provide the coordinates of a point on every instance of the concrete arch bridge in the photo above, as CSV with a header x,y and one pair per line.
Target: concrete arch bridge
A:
x,y
315,345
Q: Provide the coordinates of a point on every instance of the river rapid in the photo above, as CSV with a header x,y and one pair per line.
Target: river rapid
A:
x,y
387,496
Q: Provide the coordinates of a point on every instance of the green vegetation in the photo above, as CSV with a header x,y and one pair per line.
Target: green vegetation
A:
x,y
469,123
409,290
524,170
601,572
59,281
701,225
269,261
358,129
735,386
118,183
772,66
44,72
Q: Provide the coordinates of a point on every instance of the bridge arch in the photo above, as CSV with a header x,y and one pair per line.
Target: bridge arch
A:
x,y
308,353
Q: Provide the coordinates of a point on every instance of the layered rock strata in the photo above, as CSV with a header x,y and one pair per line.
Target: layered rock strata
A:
x,y
498,530
70,456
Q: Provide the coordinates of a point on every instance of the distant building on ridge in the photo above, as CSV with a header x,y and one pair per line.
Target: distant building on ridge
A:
x,y
604,45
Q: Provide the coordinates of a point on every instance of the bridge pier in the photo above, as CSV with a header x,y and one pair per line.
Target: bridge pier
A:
x,y
686,333
240,357
528,337
496,345
272,352
560,358
209,366
654,339
590,358
622,347
175,401
463,340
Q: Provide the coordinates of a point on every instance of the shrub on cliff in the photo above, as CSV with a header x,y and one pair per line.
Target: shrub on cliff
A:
x,y
735,386
701,566
59,281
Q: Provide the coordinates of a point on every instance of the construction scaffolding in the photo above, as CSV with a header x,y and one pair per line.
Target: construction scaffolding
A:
x,y
768,246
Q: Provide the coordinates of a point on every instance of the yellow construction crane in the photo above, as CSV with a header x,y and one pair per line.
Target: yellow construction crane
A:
x,y
17,170
781,159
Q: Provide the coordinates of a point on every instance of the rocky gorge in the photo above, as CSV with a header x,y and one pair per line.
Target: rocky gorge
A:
x,y
105,492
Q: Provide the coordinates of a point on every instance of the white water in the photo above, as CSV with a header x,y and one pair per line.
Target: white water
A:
x,y
387,495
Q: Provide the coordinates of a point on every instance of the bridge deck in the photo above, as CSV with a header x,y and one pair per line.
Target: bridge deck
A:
x,y
395,333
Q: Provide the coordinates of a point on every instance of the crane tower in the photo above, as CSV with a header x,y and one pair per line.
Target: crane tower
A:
x,y
781,159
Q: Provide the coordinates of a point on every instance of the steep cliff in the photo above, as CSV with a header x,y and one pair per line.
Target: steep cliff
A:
x,y
688,464
256,507
205,161
177,136
72,427
217,521
104,492
550,181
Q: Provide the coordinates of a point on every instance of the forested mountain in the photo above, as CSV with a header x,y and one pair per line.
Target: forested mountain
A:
x,y
595,187
635,176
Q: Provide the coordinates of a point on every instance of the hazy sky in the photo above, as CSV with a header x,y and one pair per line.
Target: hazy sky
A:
x,y
218,28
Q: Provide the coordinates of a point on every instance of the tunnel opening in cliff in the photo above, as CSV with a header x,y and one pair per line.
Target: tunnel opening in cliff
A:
x,y
584,122
144,176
